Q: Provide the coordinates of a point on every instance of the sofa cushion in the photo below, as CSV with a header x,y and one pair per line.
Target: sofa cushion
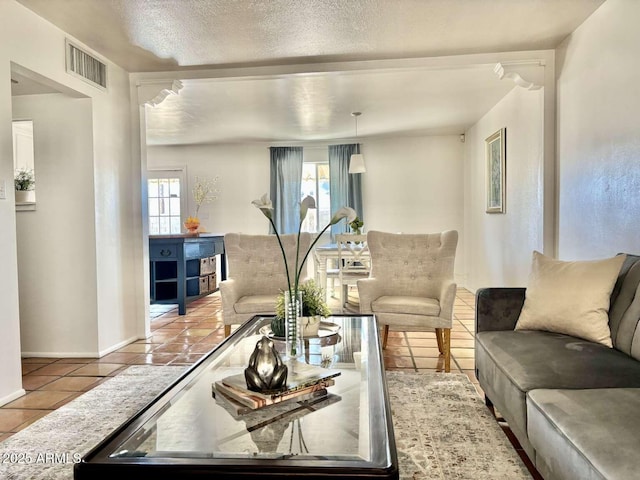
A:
x,y
624,314
585,434
407,305
570,297
511,363
265,304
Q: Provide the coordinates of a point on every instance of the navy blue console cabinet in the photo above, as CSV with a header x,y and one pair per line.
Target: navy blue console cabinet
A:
x,y
183,267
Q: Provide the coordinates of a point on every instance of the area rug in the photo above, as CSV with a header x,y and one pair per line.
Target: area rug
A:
x,y
442,429
47,449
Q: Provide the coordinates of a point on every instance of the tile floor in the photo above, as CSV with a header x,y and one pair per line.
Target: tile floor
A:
x,y
183,339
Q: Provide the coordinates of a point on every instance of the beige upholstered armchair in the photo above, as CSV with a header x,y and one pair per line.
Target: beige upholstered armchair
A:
x,y
411,284
256,274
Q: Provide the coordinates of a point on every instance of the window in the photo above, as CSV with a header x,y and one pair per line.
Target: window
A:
x,y
315,182
165,202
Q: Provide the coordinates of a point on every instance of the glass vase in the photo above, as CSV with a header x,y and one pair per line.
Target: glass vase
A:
x,y
293,329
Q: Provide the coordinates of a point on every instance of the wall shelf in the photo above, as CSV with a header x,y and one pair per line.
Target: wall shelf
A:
x,y
25,206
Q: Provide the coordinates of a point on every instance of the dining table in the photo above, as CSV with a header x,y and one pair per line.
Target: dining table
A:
x,y
326,254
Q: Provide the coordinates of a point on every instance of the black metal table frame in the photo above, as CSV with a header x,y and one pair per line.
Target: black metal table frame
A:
x,y
97,465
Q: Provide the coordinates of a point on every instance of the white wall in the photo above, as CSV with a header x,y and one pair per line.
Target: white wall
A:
x,y
498,247
10,367
412,184
32,43
116,173
415,185
56,242
243,172
599,134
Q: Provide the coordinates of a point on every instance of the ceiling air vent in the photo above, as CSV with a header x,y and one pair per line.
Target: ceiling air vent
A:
x,y
83,65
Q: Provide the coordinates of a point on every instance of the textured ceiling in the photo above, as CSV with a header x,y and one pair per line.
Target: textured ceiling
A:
x,y
174,35
318,107
155,35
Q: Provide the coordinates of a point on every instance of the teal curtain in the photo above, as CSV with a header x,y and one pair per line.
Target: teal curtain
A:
x,y
345,188
286,183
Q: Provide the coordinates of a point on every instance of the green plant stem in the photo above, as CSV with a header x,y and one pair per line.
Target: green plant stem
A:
x,y
298,273
311,248
284,256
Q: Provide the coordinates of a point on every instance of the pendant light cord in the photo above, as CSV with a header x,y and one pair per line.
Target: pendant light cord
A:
x,y
356,115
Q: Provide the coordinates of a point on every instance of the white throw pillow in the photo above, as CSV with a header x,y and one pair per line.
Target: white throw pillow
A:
x,y
570,297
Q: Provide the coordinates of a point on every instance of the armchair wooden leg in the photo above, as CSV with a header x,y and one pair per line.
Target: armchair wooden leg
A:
x,y
385,336
439,339
227,330
447,349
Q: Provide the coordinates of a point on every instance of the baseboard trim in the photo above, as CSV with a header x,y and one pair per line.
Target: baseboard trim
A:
x,y
99,354
461,280
115,347
59,354
12,396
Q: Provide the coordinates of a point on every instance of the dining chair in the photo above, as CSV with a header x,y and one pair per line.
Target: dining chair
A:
x,y
411,285
256,274
354,263
332,274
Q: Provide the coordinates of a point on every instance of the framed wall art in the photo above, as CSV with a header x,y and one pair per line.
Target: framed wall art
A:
x,y
496,171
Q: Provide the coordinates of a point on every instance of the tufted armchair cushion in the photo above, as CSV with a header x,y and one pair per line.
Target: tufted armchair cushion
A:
x,y
403,304
414,264
411,283
256,274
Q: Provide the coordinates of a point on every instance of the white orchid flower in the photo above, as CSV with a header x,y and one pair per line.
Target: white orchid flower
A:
x,y
307,203
264,205
344,212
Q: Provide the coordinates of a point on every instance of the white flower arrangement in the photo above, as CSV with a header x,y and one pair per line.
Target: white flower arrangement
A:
x,y
204,191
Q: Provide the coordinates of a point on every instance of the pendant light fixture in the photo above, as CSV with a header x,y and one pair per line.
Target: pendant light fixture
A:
x,y
356,164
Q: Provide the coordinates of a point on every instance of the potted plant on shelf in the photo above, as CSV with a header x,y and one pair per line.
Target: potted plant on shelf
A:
x,y
356,226
314,309
25,182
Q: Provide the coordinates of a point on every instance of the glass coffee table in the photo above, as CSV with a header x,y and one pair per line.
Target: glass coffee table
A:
x,y
192,431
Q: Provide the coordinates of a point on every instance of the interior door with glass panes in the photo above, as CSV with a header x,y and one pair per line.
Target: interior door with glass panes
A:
x,y
166,201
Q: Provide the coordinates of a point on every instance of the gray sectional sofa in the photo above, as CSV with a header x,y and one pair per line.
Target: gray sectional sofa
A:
x,y
574,405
